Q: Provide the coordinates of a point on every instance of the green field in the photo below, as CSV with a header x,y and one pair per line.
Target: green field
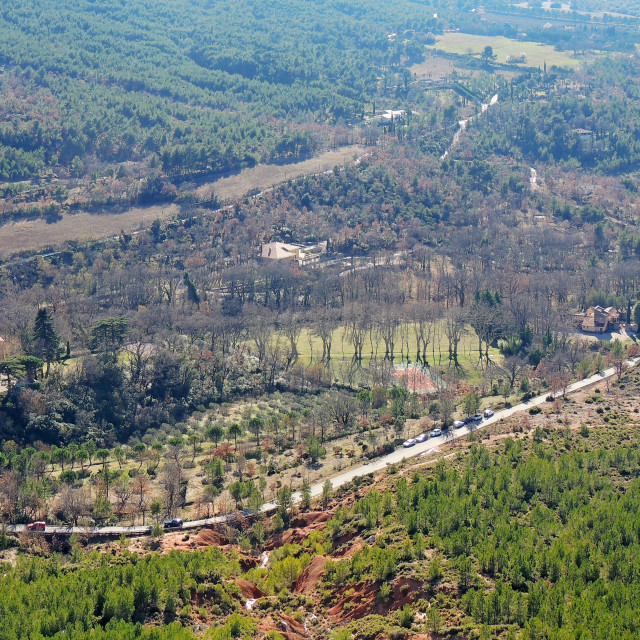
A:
x,y
537,54
310,348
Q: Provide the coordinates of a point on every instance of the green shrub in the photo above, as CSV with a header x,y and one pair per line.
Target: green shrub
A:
x,y
405,617
384,593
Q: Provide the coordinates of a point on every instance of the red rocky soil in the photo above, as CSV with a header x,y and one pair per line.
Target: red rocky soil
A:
x,y
310,577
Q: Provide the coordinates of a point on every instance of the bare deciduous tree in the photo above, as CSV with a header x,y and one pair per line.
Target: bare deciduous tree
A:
x,y
173,485
75,503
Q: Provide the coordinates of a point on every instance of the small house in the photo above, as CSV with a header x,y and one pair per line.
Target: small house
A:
x,y
583,134
598,319
297,253
393,115
280,251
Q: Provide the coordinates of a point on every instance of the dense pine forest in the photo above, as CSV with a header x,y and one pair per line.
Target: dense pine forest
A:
x,y
139,82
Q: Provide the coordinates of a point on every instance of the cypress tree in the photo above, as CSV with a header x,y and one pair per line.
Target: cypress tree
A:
x,y
46,340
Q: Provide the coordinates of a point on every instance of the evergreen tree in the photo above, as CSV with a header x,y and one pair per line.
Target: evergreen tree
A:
x,y
45,339
192,292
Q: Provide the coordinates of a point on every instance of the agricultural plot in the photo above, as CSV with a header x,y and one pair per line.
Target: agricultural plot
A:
x,y
536,54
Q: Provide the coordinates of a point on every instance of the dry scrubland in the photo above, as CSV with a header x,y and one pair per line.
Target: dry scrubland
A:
x,y
33,235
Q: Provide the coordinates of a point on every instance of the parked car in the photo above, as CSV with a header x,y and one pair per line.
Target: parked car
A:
x,y
37,526
408,443
488,413
435,433
175,523
468,420
457,424
421,438
477,417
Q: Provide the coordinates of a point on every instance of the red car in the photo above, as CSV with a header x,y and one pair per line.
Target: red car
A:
x,y
37,526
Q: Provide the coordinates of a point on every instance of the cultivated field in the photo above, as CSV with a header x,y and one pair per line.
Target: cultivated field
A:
x,y
537,54
434,67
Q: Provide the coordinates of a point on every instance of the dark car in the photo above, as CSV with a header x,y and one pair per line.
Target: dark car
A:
x,y
175,523
477,417
468,420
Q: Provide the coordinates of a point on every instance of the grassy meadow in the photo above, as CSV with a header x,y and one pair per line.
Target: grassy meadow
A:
x,y
310,350
537,54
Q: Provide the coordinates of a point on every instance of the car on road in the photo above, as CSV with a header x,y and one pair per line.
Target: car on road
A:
x,y
458,423
435,433
477,417
422,437
175,523
37,526
468,420
488,413
409,443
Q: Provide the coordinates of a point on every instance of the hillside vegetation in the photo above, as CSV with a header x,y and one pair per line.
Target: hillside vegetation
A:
x,y
480,218
194,87
529,536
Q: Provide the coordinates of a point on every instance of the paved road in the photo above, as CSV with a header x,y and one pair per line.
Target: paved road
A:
x,y
345,478
433,443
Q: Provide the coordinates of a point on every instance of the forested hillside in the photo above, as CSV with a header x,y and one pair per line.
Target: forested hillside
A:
x,y
537,536
531,534
591,127
473,242
187,86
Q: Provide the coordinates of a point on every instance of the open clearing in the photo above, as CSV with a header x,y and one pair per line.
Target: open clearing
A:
x,y
310,347
434,67
565,7
31,235
537,54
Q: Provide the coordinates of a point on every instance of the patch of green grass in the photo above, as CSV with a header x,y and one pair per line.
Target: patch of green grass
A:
x,y
536,54
310,349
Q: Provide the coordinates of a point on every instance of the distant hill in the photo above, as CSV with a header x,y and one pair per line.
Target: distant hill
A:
x,y
192,86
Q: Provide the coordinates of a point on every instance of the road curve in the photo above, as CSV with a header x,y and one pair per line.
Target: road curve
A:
x,y
346,477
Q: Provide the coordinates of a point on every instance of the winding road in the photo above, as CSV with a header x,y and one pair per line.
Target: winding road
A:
x,y
463,126
421,448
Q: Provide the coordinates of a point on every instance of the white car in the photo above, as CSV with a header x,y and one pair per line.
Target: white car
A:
x,y
408,443
435,433
457,424
422,437
488,413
